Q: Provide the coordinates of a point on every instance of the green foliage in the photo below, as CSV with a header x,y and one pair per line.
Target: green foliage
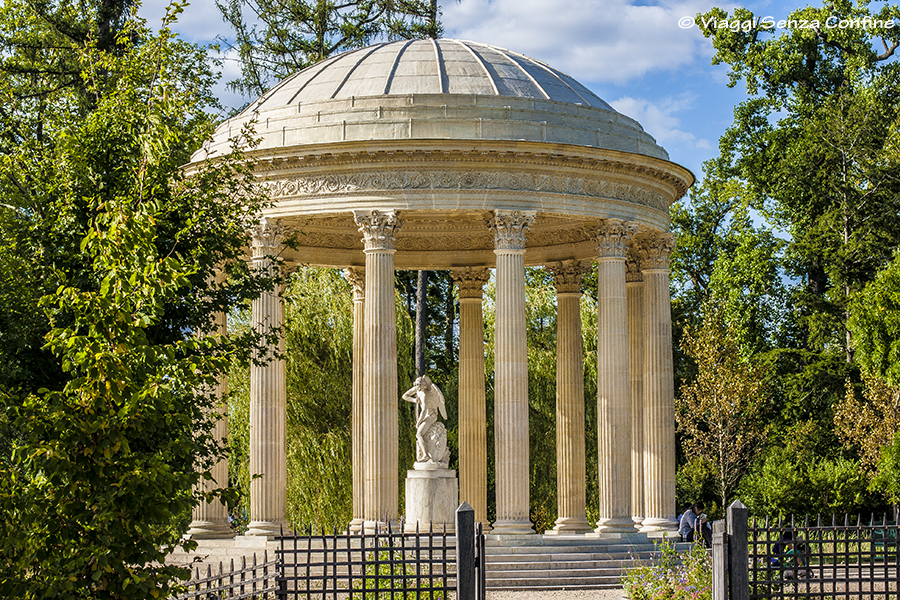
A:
x,y
696,481
887,478
875,324
109,400
276,38
673,576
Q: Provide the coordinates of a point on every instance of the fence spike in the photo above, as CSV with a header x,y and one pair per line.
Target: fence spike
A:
x,y
209,571
806,521
859,520
819,520
232,564
221,568
846,520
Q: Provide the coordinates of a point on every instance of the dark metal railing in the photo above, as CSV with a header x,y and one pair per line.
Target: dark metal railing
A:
x,y
253,581
377,564
836,559
372,564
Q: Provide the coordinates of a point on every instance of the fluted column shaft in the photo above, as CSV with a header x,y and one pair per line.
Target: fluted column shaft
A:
x,y
511,375
210,519
658,387
357,280
268,395
472,409
380,394
613,380
570,467
635,290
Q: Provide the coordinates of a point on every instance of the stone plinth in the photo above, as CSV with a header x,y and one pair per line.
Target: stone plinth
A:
x,y
431,499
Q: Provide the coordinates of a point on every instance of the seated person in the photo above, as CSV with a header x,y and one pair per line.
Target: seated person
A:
x,y
791,554
693,524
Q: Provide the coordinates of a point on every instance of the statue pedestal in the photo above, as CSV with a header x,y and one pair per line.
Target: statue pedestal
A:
x,y
431,499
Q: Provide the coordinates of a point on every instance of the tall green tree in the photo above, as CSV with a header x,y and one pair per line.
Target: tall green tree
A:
x,y
813,146
107,258
276,38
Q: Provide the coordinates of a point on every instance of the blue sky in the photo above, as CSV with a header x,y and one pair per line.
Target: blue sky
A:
x,y
638,55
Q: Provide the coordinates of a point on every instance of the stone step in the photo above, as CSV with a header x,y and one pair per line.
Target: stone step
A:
x,y
563,564
586,555
553,583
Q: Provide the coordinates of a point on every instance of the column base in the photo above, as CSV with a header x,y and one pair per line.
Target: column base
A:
x,y
658,524
615,525
268,528
570,526
210,530
370,527
510,527
637,522
355,525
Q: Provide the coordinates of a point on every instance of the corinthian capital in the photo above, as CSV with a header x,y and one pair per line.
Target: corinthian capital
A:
x,y
613,237
469,281
357,278
509,228
266,238
655,251
567,275
633,266
378,228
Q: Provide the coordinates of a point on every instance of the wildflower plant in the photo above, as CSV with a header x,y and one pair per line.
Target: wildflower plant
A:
x,y
672,575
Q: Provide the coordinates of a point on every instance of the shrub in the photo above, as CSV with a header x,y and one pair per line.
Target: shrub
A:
x,y
673,575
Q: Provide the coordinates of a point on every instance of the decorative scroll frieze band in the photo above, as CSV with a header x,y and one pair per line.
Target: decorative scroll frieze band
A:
x,y
469,281
613,238
509,228
656,250
378,228
468,180
567,275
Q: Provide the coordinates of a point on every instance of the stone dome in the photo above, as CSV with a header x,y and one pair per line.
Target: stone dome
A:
x,y
436,89
447,133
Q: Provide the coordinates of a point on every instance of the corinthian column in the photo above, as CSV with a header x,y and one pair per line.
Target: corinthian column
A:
x,y
511,375
210,519
570,479
472,411
357,279
613,381
268,394
635,290
659,387
380,392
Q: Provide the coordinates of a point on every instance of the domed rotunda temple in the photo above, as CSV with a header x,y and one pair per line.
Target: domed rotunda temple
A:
x,y
455,155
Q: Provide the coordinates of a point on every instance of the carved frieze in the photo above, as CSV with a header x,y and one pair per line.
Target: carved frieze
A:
x,y
469,281
326,185
613,237
509,228
378,228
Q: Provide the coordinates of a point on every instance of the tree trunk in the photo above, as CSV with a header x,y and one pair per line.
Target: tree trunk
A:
x,y
421,320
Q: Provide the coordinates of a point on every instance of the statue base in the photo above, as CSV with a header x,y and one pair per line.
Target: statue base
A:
x,y
431,500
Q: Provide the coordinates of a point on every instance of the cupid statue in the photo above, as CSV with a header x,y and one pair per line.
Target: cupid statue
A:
x,y
431,436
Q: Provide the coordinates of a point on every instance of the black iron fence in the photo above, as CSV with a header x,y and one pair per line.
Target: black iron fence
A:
x,y
252,581
376,564
820,558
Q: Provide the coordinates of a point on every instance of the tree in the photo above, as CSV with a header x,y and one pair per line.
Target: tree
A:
x,y
109,406
875,324
294,34
721,413
813,146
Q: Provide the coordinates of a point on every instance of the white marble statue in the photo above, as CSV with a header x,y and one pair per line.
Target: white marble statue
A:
x,y
431,436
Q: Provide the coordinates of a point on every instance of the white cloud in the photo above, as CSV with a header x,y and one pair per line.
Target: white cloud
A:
x,y
659,120
592,40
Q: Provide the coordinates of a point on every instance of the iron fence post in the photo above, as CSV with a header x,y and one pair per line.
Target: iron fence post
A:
x,y
465,552
738,565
